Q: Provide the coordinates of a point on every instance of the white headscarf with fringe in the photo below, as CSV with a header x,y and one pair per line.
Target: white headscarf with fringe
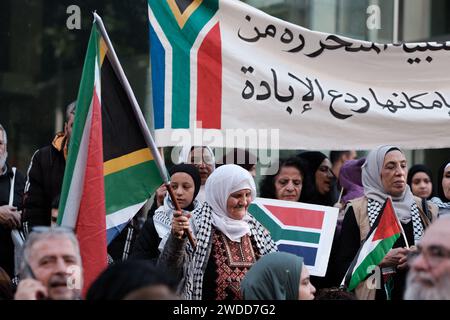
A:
x,y
224,181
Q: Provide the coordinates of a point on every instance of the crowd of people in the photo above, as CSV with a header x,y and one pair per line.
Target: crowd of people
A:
x,y
234,256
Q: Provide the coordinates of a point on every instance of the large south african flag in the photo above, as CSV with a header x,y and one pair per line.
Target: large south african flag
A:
x,y
303,229
110,171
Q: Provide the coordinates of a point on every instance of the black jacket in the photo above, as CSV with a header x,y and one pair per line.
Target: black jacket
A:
x,y
44,182
6,244
146,245
147,242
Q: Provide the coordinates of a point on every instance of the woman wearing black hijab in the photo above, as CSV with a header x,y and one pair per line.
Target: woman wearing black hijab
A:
x,y
322,187
443,184
420,181
185,181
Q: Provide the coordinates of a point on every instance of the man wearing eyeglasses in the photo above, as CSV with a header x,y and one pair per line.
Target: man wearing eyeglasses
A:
x,y
12,184
429,265
51,267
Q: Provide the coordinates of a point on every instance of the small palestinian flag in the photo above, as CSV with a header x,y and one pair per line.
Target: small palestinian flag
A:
x,y
382,236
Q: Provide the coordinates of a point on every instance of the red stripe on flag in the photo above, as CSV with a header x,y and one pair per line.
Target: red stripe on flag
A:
x,y
91,223
209,80
388,225
298,217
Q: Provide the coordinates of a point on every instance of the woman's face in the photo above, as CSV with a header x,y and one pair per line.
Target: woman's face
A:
x,y
393,173
253,171
203,160
288,184
323,177
238,202
446,182
305,290
183,187
421,185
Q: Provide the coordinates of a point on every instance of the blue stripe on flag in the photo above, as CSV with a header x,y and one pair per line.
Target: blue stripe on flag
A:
x,y
113,232
157,54
309,254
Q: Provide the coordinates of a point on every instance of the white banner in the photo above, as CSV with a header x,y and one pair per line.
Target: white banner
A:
x,y
277,85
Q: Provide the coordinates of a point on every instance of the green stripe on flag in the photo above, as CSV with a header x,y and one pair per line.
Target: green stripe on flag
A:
x,y
125,188
84,100
181,41
180,89
277,232
372,259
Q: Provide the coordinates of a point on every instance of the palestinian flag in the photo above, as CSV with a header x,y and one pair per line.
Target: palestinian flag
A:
x,y
110,172
382,236
299,228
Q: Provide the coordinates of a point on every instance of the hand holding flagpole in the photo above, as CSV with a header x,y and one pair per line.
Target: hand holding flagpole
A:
x,y
188,232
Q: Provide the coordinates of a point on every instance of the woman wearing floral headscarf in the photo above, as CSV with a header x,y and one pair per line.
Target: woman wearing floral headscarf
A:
x,y
383,176
229,239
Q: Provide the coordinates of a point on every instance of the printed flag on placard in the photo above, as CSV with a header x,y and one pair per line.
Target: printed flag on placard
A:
x,y
303,229
382,236
110,171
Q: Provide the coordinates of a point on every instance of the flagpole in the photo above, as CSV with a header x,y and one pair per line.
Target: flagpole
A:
x,y
340,195
403,232
140,117
400,225
395,22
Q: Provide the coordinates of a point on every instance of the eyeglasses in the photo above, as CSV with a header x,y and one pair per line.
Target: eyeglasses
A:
x,y
54,229
433,254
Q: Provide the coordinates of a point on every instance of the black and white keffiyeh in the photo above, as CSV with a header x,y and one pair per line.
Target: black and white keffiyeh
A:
x,y
374,209
196,261
162,219
444,207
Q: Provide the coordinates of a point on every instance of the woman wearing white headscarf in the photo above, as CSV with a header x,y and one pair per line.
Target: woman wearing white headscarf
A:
x,y
383,175
229,239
